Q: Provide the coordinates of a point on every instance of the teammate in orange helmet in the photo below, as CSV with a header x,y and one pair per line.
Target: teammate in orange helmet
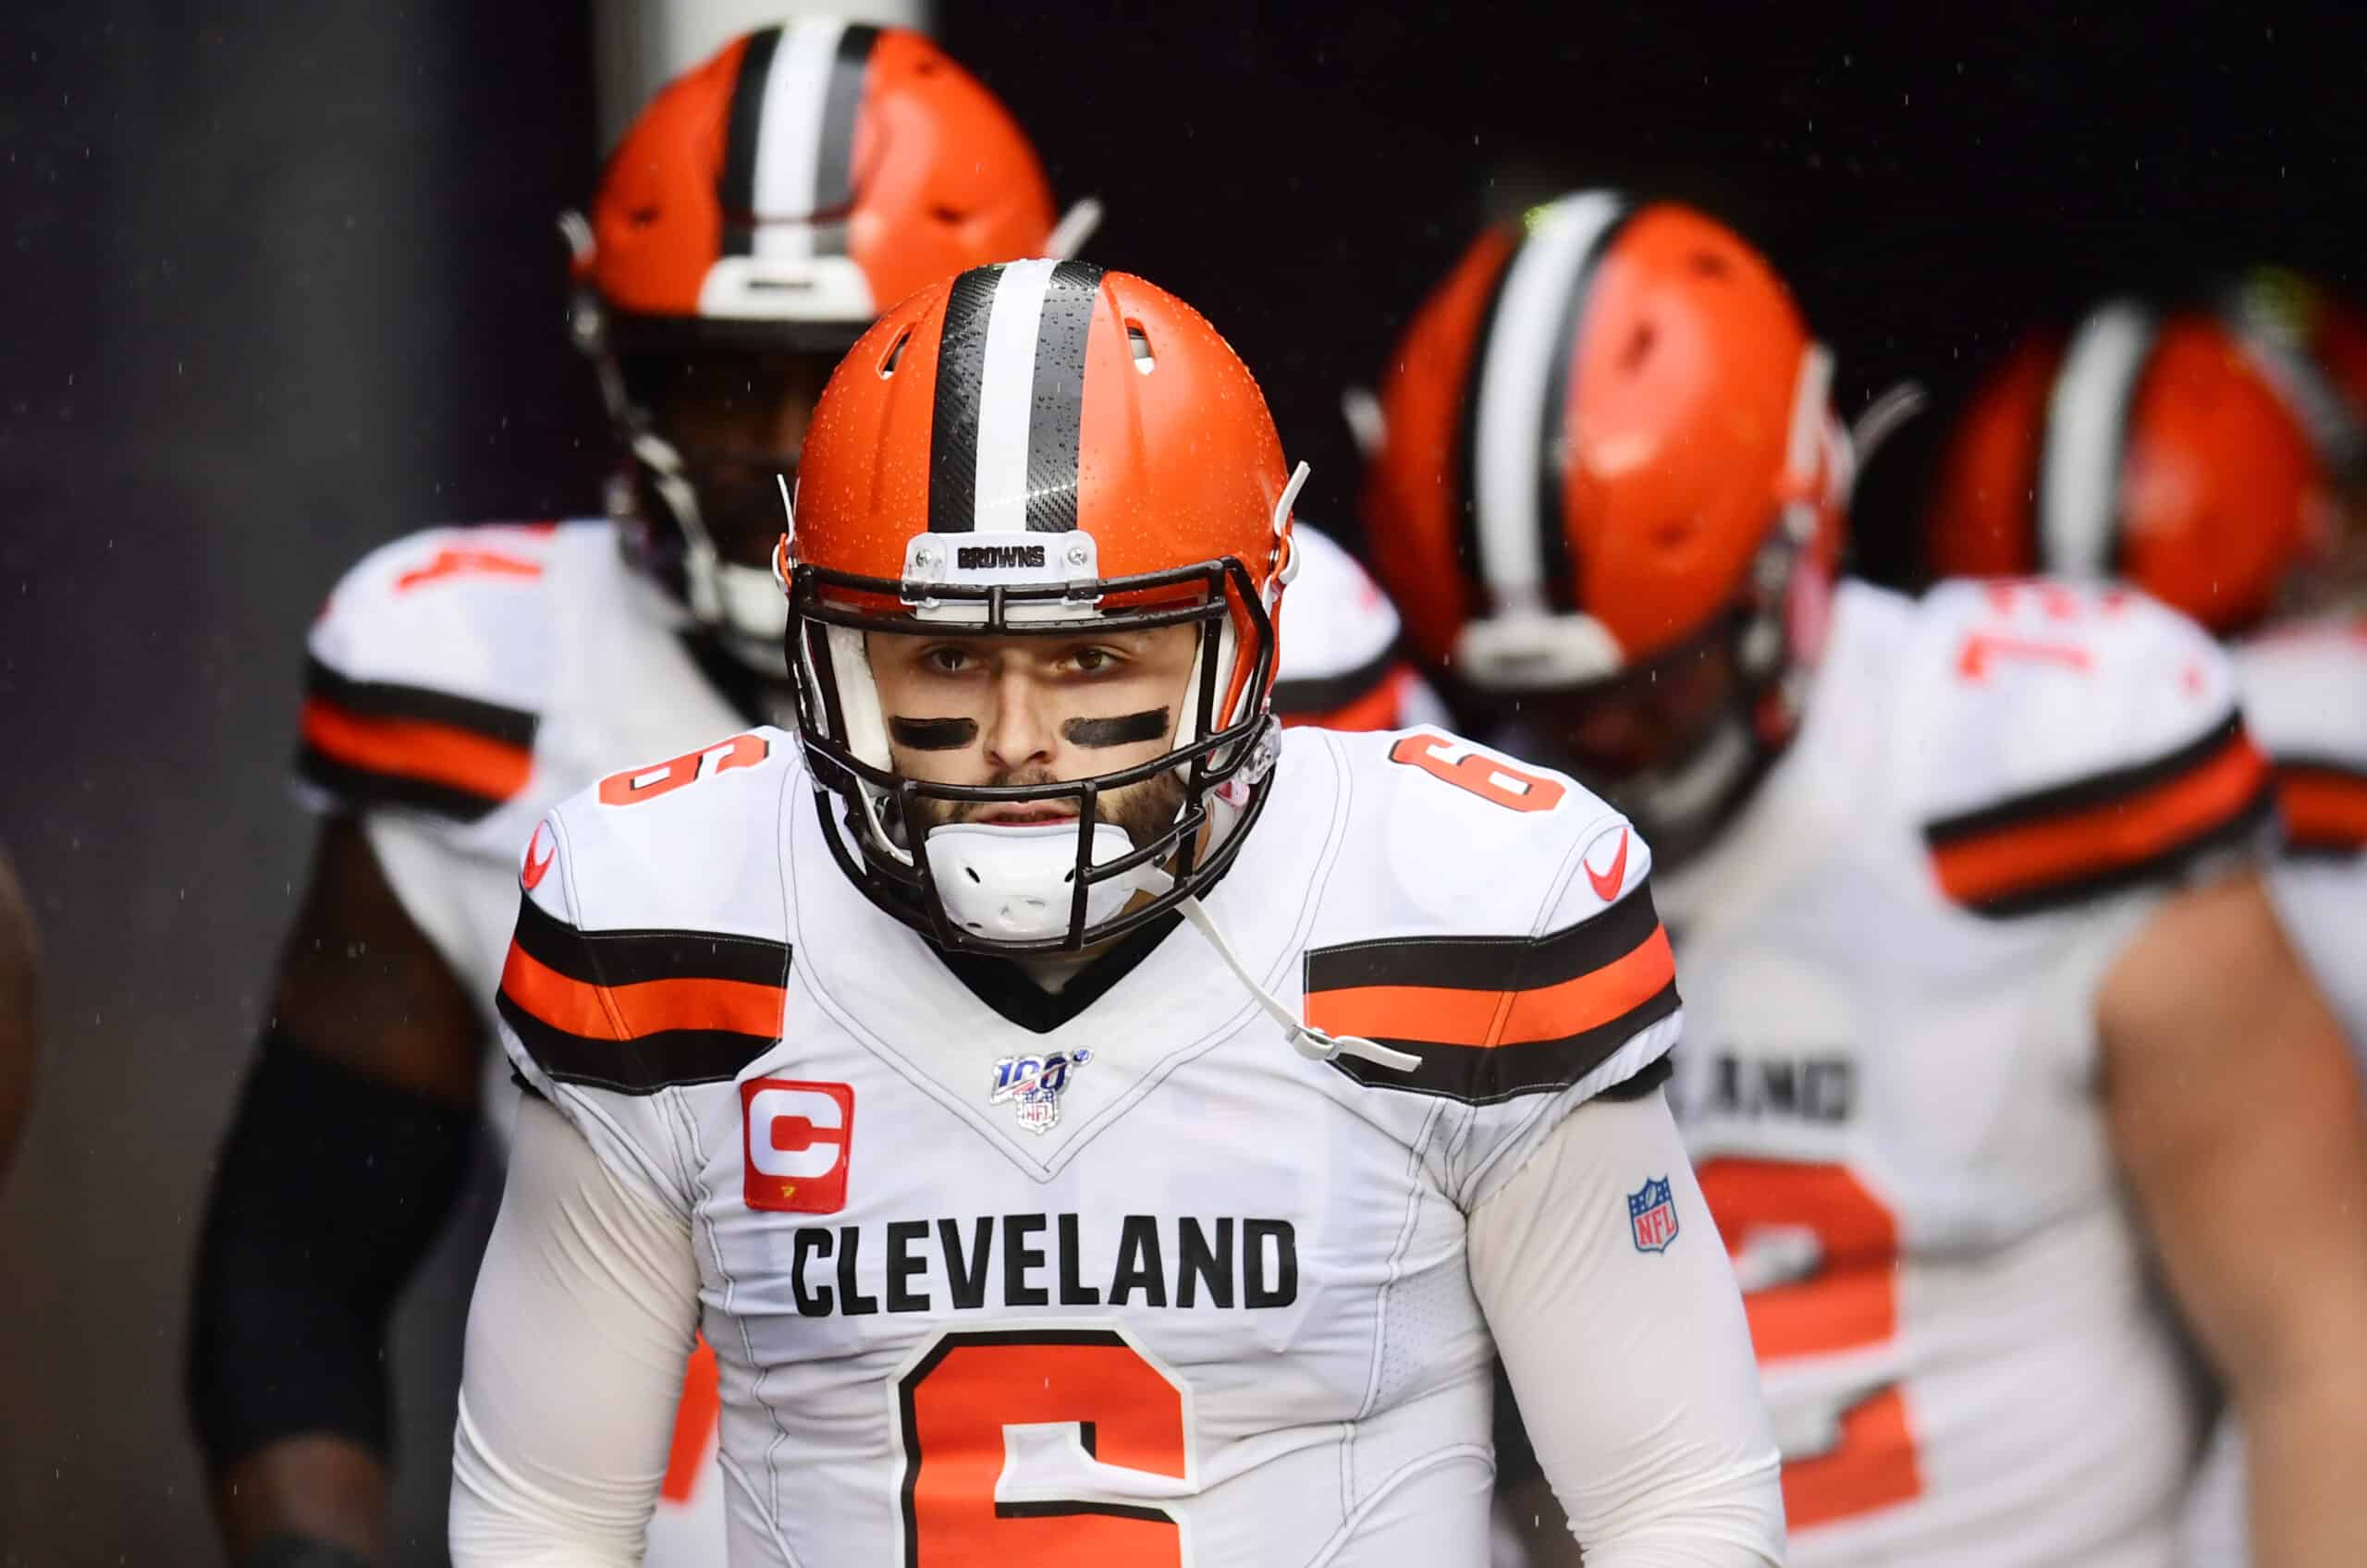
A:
x,y
763,209
1986,995
2207,458
1027,1226
2168,448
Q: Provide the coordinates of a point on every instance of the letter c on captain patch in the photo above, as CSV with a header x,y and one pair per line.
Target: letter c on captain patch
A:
x,y
798,1139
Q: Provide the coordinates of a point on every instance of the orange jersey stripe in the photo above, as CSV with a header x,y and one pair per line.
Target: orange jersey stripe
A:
x,y
2105,838
1446,1016
415,748
694,1423
1377,709
2323,809
650,1007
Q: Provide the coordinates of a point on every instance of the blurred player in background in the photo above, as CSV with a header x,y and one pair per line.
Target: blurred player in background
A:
x,y
2215,460
754,219
20,1010
1986,992
1022,1233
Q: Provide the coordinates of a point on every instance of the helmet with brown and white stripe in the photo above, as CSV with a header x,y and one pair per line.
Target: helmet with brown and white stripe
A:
x,y
1029,449
2152,445
1606,450
756,218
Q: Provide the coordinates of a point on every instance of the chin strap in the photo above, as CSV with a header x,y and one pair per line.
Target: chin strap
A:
x,y
1308,1041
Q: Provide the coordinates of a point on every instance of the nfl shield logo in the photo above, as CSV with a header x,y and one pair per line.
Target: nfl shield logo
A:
x,y
1033,1085
1652,1214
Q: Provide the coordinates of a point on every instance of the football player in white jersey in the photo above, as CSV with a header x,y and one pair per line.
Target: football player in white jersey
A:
x,y
1987,1002
2212,459
753,221
1027,1226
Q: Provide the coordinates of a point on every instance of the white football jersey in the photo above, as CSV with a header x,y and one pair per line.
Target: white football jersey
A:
x,y
2305,699
1890,1082
459,681
998,1275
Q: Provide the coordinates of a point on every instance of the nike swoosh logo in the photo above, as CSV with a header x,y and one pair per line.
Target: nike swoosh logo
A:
x,y
538,865
1606,883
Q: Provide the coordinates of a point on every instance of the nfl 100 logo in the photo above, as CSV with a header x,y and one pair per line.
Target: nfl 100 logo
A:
x,y
1033,1085
1652,1214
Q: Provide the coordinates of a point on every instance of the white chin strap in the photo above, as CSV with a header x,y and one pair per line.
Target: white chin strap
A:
x,y
1017,884
742,604
1314,1044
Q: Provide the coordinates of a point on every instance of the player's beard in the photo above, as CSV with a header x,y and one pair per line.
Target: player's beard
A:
x,y
1146,811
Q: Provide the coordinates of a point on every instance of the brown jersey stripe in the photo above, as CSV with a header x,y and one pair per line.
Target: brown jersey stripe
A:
x,y
1491,1020
629,1012
2049,861
386,699
1481,1075
2110,786
639,1066
1307,700
460,772
1382,707
2323,805
625,959
1490,963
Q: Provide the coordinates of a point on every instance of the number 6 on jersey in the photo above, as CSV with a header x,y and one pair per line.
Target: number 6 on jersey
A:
x,y
1006,1433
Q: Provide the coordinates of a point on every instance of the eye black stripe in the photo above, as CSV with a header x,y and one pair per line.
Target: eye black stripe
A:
x,y
1057,410
1467,455
834,174
736,190
1553,422
961,383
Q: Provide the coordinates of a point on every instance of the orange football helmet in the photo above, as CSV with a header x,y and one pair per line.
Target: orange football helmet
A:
x,y
2150,448
1028,448
1605,443
761,213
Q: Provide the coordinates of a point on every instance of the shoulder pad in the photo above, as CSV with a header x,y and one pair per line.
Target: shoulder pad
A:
x,y
1342,665
1494,918
425,671
2062,742
651,947
2305,697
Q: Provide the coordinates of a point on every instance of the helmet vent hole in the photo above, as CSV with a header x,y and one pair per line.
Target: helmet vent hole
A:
x,y
1709,263
951,217
642,217
971,872
929,65
1138,341
895,352
1638,348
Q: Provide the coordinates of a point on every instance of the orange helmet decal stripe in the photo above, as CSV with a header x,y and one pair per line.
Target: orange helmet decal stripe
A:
x,y
2086,433
789,166
1520,394
1010,399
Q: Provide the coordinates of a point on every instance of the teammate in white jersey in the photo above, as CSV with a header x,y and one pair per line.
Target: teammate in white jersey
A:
x,y
1986,995
2170,449
1028,1226
2214,460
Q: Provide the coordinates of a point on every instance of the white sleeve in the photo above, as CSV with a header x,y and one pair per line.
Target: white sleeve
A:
x,y
1633,1368
586,1308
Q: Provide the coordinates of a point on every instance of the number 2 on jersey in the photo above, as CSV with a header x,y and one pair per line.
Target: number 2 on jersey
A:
x,y
1848,1301
1086,1386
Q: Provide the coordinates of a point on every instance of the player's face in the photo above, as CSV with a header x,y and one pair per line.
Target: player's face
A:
x,y
1036,710
1650,720
738,418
